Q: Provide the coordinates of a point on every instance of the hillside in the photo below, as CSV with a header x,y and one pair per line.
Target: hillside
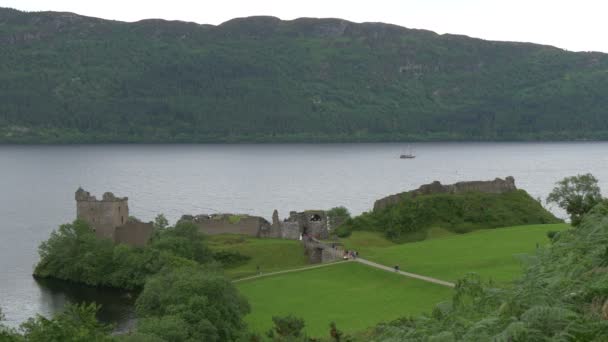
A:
x,y
562,296
69,78
413,217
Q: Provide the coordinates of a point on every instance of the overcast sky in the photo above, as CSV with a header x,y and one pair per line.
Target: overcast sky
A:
x,y
578,25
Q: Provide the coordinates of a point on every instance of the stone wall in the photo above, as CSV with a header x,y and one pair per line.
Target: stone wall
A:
x,y
103,215
496,186
313,223
230,224
134,233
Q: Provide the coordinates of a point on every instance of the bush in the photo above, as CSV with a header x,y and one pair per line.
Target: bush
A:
x,y
230,259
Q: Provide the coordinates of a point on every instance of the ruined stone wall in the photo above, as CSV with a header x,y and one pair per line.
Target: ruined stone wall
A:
x,y
134,233
103,215
313,223
290,230
222,224
496,186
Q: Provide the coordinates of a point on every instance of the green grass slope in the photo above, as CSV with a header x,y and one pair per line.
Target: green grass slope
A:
x,y
269,254
70,78
492,253
354,296
562,295
413,218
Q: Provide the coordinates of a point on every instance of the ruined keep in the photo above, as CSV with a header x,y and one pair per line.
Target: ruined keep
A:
x,y
496,186
109,218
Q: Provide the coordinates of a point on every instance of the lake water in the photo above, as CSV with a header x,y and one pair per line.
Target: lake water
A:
x,y
37,185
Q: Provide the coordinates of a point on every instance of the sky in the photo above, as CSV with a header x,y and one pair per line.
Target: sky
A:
x,y
576,25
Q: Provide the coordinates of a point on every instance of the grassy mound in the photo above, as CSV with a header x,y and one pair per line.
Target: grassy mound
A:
x,y
413,217
352,295
492,253
269,254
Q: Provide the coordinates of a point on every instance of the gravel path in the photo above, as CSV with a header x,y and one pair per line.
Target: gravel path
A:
x,y
406,274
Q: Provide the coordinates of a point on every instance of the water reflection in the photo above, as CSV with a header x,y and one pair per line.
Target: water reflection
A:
x,y
117,306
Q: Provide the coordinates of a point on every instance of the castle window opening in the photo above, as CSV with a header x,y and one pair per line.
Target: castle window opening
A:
x,y
122,218
315,218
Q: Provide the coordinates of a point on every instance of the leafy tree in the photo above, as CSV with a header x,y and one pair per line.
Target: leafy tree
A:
x,y
337,216
77,323
191,304
184,240
577,195
161,222
287,328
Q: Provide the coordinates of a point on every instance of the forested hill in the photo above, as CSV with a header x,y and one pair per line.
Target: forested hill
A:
x,y
69,78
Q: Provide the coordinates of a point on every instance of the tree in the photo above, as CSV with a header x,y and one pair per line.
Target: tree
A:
x,y
337,216
161,222
191,304
577,195
76,323
288,328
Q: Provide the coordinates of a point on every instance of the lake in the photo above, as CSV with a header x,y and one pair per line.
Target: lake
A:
x,y
37,185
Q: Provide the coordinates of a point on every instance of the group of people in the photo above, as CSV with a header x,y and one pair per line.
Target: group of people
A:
x,y
350,254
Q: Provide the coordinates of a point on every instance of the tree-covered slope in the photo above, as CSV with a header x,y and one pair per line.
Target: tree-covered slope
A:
x,y
68,78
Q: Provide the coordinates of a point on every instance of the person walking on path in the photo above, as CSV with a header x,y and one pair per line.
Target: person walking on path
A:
x,y
396,268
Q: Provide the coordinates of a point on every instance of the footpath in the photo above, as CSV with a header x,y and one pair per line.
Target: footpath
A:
x,y
359,260
405,274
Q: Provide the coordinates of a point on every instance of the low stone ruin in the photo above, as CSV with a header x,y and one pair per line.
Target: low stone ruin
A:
x,y
496,186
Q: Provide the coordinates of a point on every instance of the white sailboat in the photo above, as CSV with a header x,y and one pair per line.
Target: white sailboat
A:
x,y
408,155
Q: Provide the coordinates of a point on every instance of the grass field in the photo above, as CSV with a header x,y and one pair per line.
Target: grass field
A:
x,y
269,254
492,253
354,296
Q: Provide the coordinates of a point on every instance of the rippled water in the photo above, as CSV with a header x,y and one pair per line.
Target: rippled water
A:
x,y
37,185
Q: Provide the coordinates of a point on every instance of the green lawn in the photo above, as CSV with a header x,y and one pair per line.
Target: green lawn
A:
x,y
354,296
493,253
270,254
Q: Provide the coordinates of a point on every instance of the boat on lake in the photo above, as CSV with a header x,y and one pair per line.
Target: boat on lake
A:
x,y
408,155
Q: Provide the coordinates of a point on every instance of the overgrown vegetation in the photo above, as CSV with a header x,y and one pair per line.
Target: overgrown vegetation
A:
x,y
412,217
185,295
67,78
563,296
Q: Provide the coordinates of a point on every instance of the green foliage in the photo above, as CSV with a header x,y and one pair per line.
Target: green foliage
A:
x,y
191,304
562,296
160,222
412,217
288,328
337,216
184,240
577,195
77,79
181,299
74,253
230,259
76,323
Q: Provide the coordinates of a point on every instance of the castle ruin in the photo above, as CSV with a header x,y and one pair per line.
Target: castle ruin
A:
x,y
312,223
496,186
109,218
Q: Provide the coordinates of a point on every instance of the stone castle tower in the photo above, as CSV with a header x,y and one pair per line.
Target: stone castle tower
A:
x,y
103,215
